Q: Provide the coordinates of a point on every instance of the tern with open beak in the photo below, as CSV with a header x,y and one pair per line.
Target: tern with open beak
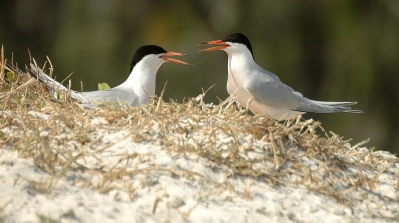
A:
x,y
135,91
261,91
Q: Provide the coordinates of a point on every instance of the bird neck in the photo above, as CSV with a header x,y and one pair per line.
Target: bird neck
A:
x,y
142,80
239,63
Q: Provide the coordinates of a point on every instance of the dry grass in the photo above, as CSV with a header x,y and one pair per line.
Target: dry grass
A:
x,y
61,136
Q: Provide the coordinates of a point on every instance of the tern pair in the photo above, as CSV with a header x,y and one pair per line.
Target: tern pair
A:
x,y
261,91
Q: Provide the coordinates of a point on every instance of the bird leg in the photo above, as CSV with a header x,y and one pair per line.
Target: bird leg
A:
x,y
249,101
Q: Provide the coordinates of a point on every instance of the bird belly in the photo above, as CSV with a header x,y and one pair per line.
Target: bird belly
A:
x,y
243,96
274,113
265,110
244,99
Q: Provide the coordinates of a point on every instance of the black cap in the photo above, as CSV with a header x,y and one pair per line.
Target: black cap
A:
x,y
239,38
144,51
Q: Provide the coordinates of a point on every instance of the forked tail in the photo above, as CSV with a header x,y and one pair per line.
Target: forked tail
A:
x,y
327,107
55,87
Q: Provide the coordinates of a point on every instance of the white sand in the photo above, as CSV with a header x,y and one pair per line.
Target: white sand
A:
x,y
186,188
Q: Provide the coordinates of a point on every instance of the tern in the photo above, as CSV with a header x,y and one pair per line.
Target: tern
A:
x,y
261,91
135,91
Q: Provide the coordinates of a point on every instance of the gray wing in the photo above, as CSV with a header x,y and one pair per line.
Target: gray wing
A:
x,y
273,93
113,95
267,75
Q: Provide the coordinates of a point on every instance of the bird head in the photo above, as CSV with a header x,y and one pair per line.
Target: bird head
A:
x,y
154,54
236,42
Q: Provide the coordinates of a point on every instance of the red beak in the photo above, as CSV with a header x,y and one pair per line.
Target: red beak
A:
x,y
222,46
174,60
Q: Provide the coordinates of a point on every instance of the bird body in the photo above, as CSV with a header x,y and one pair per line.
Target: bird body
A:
x,y
262,91
138,87
135,91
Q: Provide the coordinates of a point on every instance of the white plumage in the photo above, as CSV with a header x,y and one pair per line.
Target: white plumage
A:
x,y
261,90
135,91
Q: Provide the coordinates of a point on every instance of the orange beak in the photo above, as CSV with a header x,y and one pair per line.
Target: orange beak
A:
x,y
222,46
173,60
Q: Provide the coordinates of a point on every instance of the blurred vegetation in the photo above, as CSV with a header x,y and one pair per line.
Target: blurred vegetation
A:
x,y
328,50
